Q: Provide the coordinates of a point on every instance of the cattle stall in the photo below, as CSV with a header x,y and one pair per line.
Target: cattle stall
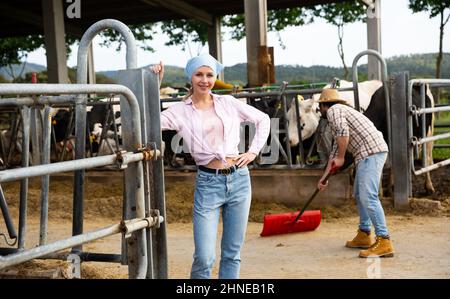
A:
x,y
103,129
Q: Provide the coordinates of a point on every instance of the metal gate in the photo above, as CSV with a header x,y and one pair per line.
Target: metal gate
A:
x,y
420,112
144,245
405,146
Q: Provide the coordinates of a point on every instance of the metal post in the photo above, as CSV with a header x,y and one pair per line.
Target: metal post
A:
x,y
78,180
159,235
13,139
25,114
424,127
46,178
71,123
6,216
146,87
400,145
36,135
286,125
299,129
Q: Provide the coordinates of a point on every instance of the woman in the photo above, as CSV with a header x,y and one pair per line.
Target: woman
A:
x,y
210,127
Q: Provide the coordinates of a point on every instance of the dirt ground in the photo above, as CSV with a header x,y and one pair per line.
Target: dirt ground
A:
x,y
421,237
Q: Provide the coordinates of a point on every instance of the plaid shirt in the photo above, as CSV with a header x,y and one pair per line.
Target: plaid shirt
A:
x,y
364,138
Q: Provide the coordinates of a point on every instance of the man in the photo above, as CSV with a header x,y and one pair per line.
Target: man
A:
x,y
355,133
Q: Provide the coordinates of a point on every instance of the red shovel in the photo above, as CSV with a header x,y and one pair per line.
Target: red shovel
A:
x,y
300,221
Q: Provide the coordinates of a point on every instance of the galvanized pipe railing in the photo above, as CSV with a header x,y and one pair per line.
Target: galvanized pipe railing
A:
x,y
422,111
282,92
45,182
80,109
40,251
25,115
384,79
120,160
58,89
88,36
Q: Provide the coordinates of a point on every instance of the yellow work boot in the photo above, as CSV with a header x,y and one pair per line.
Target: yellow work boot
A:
x,y
382,248
362,240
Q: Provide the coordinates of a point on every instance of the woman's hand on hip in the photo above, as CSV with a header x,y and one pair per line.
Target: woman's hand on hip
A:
x,y
158,69
244,159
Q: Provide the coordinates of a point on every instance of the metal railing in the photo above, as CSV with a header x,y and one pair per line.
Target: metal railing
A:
x,y
422,111
124,159
385,80
143,250
282,105
65,102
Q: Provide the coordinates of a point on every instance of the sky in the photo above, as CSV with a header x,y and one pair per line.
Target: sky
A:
x,y
402,32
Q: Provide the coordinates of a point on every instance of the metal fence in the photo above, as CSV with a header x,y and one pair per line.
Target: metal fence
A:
x,y
144,244
130,159
281,98
421,112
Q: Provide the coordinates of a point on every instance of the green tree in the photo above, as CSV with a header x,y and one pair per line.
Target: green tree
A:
x,y
184,31
142,33
277,20
339,14
434,8
14,49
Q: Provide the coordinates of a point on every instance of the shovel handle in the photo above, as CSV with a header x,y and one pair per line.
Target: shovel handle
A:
x,y
332,171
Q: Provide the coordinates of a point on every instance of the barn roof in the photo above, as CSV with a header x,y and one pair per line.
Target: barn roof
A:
x,y
24,17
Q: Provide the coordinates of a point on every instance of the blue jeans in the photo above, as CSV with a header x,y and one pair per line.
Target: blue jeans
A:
x,y
232,194
366,189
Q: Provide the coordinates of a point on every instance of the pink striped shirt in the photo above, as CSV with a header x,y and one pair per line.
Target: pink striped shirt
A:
x,y
187,120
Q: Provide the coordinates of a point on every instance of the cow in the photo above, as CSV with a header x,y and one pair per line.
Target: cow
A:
x,y
373,104
309,109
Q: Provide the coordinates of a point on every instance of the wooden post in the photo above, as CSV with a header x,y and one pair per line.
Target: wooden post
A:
x,y
271,65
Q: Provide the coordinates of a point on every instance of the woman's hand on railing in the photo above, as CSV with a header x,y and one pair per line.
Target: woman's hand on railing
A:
x,y
158,69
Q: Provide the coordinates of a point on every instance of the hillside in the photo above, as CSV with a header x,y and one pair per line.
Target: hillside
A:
x,y
5,72
419,66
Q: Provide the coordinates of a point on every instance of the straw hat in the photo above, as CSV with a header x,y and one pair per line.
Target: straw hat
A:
x,y
331,95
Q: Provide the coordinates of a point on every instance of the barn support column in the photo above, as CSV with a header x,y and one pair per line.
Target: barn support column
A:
x,y
374,38
259,56
55,44
215,42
